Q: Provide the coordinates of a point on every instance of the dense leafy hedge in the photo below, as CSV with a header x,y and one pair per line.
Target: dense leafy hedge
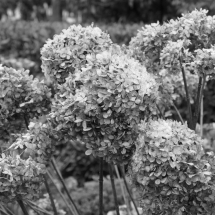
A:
x,y
23,39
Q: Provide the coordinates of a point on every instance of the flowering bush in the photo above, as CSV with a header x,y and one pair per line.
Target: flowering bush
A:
x,y
171,170
115,93
101,95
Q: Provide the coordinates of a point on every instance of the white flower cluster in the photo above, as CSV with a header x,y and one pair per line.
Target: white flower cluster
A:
x,y
66,53
115,92
169,165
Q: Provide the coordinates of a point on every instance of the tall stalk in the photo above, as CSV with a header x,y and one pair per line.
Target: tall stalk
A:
x,y
177,111
160,112
9,211
113,188
126,200
50,195
201,117
64,186
61,194
190,124
129,193
22,206
100,186
198,100
36,208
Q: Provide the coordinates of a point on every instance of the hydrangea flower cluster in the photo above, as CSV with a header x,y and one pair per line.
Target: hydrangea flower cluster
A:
x,y
67,52
171,171
178,43
20,178
114,94
20,94
36,142
22,168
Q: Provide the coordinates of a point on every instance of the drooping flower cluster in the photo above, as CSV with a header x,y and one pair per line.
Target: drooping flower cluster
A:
x,y
176,45
171,170
67,52
114,94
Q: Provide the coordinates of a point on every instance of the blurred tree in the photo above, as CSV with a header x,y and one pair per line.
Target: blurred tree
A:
x,y
189,5
7,4
56,10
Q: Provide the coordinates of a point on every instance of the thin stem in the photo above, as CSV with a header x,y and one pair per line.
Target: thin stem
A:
x,y
61,194
100,186
4,212
179,115
50,195
160,112
201,117
113,188
123,191
190,124
64,186
197,103
22,206
36,208
129,193
9,211
26,121
198,100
